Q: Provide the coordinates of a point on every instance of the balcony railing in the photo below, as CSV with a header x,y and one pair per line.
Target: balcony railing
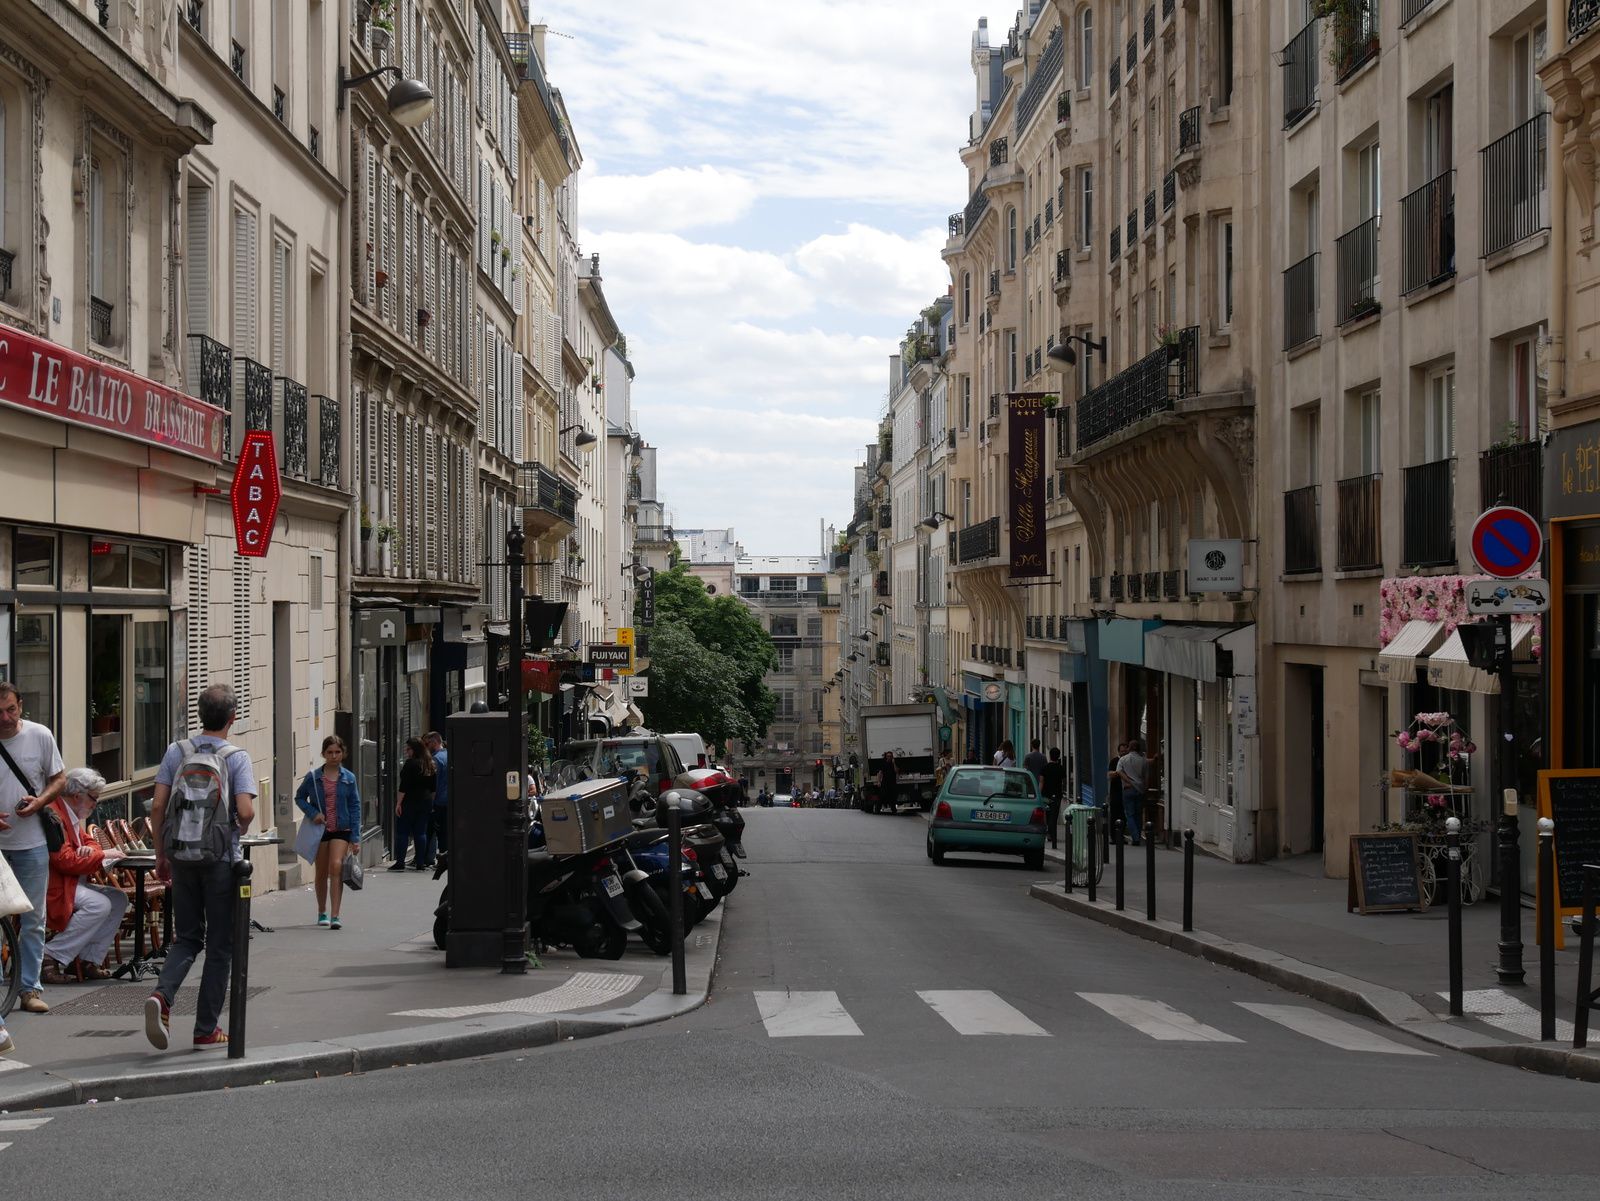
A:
x,y
880,584
1149,210
1516,198
1133,228
1300,65
1043,76
328,422
236,59
1359,537
195,13
1429,214
1063,266
544,492
208,375
1300,302
100,314
1152,585
1149,25
1134,583
999,151
958,225
1114,75
1169,585
663,533
1094,589
994,283
1133,52
252,396
977,205
1150,386
1581,16
292,404
1189,130
1429,527
1169,191
1118,592
1513,475
885,516
7,261
1116,243
1302,531
1410,9
279,103
1361,44
1063,108
978,542
1357,253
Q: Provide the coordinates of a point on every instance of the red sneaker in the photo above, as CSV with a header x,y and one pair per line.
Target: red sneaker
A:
x,y
157,1018
215,1039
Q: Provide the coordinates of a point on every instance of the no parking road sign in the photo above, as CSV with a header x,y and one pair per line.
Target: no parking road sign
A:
x,y
1506,542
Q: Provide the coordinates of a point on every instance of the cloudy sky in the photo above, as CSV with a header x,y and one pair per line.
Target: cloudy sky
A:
x,y
767,185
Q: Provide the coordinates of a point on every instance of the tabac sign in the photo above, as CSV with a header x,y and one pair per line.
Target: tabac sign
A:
x,y
42,377
256,492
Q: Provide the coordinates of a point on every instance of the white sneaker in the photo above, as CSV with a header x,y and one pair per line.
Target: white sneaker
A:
x,y
7,1043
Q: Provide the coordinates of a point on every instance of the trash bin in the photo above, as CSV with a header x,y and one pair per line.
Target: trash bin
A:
x,y
1077,817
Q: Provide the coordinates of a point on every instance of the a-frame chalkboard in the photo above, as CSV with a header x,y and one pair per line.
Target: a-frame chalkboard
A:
x,y
1572,799
1385,873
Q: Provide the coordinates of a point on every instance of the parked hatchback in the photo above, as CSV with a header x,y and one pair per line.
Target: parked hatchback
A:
x,y
993,810
645,757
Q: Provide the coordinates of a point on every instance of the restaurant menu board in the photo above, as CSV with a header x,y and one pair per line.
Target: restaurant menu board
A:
x,y
1385,873
1572,799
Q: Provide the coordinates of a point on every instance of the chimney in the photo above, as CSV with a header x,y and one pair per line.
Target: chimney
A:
x,y
536,37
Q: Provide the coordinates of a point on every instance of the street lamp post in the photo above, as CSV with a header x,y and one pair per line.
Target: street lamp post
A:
x,y
514,953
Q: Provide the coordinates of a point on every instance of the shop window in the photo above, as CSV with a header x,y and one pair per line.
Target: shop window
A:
x,y
107,647
1195,777
150,693
129,694
32,669
34,558
123,565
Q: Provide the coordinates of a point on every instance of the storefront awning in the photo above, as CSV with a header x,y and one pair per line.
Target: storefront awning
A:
x,y
1448,666
1188,651
1398,662
1122,639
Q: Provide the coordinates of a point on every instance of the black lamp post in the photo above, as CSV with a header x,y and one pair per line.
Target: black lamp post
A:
x,y
514,953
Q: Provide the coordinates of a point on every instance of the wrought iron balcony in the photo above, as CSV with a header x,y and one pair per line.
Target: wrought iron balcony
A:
x,y
1357,253
1302,531
1150,386
1133,52
279,103
1360,46
291,403
1359,535
7,261
236,59
1168,7
1150,210
1513,475
1134,582
1133,228
1045,70
978,542
1429,525
1581,17
1116,243
100,314
1516,197
1049,212
195,13
871,541
1189,130
1118,592
994,283
1149,25
547,501
1063,266
1169,191
1094,589
885,516
881,658
252,396
1429,214
999,151
103,13
958,225
1169,584
328,423
1300,65
1063,108
1114,75
880,584
1152,585
208,375
314,141
1300,302
977,205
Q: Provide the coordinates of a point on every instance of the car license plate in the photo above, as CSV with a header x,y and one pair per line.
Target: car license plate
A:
x,y
991,815
720,872
727,858
612,885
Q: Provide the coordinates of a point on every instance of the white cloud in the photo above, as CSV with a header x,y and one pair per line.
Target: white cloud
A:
x,y
674,198
874,271
667,277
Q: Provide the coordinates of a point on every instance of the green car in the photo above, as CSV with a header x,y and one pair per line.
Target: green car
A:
x,y
995,810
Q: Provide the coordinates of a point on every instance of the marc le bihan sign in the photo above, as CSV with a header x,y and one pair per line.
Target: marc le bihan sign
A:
x,y
256,492
41,377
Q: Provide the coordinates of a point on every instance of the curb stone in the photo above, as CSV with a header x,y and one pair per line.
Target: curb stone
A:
x,y
467,1038
1386,1005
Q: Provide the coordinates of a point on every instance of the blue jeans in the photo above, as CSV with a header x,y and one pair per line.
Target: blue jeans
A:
x,y
412,827
202,900
32,869
1133,813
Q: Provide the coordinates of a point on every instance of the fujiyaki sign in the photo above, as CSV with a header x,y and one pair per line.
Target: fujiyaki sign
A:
x,y
256,492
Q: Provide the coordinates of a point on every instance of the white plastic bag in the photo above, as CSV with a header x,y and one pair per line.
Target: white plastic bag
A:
x,y
12,899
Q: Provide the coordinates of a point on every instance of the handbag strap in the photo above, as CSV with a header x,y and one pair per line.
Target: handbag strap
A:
x,y
27,787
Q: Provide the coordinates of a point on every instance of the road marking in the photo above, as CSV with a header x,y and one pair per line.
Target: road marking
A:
x,y
11,1065
1157,1019
584,990
1326,1028
13,1125
1500,1008
804,1015
977,1011
3,1146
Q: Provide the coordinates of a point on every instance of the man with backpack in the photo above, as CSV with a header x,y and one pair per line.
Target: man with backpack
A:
x,y
205,795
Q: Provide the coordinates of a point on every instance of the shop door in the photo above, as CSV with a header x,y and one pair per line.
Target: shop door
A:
x,y
1581,708
1318,797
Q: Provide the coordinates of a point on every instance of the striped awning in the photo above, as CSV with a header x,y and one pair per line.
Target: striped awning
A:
x,y
1398,662
1448,666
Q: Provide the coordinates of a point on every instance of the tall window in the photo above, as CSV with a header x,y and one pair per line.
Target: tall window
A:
x,y
1085,47
97,229
1011,360
1085,207
197,260
1438,154
1439,416
1369,431
1527,94
1223,94
1527,389
246,318
966,297
1011,239
1369,180
282,290
1224,231
966,402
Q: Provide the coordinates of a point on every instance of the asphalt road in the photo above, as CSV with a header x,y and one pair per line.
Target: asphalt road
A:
x,y
848,1051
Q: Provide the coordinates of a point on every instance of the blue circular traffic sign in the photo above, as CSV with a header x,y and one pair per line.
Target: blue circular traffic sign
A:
x,y
1506,542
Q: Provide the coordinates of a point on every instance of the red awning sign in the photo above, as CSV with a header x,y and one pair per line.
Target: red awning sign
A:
x,y
256,492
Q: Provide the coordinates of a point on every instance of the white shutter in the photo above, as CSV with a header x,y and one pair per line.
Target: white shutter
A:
x,y
370,251
245,316
394,477
372,442
280,301
484,223
516,407
430,273
387,247
197,566
516,128
197,264
242,640
430,511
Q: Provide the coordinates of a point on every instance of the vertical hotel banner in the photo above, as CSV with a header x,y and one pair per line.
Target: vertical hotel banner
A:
x,y
1027,483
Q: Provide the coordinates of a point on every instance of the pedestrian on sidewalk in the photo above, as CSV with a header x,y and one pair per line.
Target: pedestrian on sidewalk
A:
x,y
1113,805
1035,762
31,776
84,916
1134,769
1006,756
439,823
414,809
330,798
1053,781
212,787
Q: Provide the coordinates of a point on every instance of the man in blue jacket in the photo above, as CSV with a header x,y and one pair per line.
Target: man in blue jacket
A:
x,y
439,823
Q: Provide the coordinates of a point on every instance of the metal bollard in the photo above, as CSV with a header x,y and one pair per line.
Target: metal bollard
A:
x,y
1072,847
239,985
1587,993
1150,871
1116,841
1188,879
1094,836
1452,841
1546,919
680,982
1509,968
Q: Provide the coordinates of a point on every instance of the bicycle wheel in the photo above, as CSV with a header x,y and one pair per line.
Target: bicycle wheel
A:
x,y
10,965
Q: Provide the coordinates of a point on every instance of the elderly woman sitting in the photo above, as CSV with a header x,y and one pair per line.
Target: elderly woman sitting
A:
x,y
84,916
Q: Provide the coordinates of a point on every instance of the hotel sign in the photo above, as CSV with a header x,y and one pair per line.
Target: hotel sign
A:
x,y
1027,483
39,376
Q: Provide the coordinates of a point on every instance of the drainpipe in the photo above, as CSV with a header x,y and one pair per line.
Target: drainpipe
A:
x,y
1556,19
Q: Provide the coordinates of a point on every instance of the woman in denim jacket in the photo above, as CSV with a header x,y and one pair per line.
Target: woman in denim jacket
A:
x,y
329,797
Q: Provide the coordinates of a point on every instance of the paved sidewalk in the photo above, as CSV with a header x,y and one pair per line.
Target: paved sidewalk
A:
x,y
1284,922
373,994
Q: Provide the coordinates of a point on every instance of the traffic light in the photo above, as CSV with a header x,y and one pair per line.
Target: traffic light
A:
x,y
541,622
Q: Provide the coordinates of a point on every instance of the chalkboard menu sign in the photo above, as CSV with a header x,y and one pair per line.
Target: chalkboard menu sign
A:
x,y
1572,799
1385,873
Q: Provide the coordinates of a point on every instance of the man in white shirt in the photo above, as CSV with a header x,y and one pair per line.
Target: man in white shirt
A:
x,y
31,774
1134,769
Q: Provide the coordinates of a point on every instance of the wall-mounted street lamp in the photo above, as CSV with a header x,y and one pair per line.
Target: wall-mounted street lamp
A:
x,y
1061,355
410,100
933,519
584,441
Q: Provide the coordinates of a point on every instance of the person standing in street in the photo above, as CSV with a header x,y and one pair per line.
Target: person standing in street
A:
x,y
1006,756
439,824
1052,781
1035,762
205,795
31,776
1134,769
889,783
1113,805
329,797
414,810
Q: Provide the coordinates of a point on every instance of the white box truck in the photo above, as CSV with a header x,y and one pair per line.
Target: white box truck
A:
x,y
912,733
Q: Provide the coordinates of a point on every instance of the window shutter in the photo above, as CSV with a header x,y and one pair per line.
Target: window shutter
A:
x,y
484,222
394,478
469,519
515,127
430,267
519,277
430,511
197,262
241,639
371,250
280,319
372,440
244,284
387,248
516,407
198,569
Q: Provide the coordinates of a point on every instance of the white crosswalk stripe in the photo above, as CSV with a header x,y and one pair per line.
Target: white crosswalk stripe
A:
x,y
11,1065
12,1125
1326,1028
1499,1008
1156,1018
978,1011
804,1015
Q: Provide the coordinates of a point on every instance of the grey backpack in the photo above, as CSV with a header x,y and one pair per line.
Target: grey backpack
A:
x,y
199,827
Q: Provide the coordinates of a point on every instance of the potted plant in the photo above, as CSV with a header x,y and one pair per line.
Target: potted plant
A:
x,y
494,238
382,33
424,318
386,533
1364,306
1050,401
106,708
505,254
381,277
366,524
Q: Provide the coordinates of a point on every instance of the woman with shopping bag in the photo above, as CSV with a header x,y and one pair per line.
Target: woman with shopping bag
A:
x,y
329,799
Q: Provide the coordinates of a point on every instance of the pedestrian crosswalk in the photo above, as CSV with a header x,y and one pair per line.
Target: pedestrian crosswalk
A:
x,y
18,1126
1499,1008
982,1013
